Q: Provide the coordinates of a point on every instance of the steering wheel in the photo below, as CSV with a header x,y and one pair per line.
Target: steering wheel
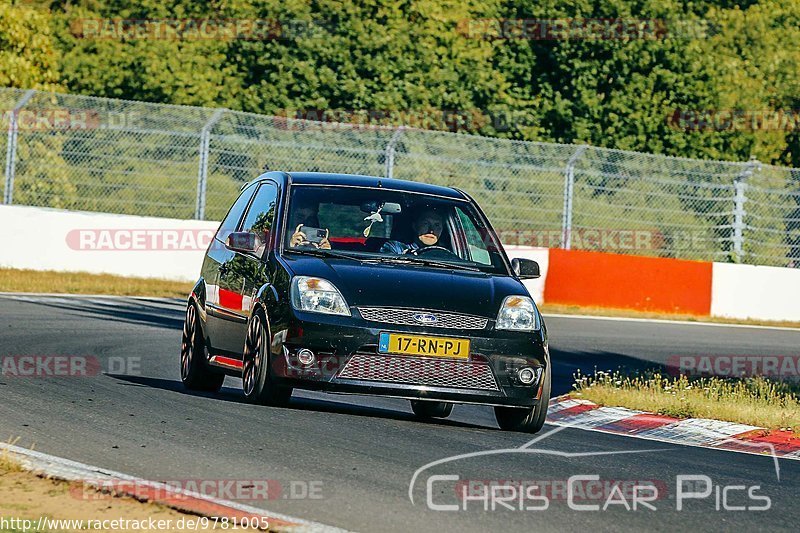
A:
x,y
429,249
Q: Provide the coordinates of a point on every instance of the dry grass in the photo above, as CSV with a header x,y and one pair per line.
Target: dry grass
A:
x,y
631,313
28,496
8,463
13,280
756,401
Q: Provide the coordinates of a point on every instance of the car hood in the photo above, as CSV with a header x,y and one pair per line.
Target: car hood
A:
x,y
418,287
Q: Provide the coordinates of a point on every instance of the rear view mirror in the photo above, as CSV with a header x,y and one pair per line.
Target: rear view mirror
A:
x,y
244,242
391,208
387,208
525,268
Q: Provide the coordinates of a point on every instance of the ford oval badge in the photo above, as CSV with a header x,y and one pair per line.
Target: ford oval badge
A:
x,y
424,318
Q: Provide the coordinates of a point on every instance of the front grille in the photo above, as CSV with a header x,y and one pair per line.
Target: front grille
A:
x,y
414,371
405,317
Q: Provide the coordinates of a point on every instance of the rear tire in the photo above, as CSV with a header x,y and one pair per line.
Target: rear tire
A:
x,y
257,381
526,420
195,372
425,409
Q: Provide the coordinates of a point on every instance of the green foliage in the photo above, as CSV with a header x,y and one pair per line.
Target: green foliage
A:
x,y
420,56
28,57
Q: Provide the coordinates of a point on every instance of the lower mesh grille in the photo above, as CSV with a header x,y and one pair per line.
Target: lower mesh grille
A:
x,y
413,371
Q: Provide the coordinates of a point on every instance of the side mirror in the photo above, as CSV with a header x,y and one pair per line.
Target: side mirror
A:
x,y
244,241
525,268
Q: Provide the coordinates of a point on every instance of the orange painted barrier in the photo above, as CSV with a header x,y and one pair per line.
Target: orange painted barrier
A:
x,y
597,279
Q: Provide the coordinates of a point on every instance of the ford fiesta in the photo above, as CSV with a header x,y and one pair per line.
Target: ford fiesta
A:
x,y
356,284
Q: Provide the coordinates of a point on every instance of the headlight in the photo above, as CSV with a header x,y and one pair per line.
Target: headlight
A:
x,y
317,295
518,313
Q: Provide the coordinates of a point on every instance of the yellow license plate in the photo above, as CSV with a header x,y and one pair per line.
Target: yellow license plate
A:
x,y
400,343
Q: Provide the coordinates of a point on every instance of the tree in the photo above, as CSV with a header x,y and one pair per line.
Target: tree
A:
x,y
28,57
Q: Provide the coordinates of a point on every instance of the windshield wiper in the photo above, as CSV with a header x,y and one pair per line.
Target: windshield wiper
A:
x,y
321,252
444,264
426,262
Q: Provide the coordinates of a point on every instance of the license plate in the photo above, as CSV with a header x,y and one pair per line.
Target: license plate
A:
x,y
399,343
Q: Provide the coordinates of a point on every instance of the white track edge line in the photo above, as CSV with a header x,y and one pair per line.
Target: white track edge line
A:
x,y
667,321
89,296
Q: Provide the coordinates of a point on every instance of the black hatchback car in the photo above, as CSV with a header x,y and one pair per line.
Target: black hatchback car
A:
x,y
357,284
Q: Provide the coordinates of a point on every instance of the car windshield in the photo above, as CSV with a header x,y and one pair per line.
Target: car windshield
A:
x,y
390,226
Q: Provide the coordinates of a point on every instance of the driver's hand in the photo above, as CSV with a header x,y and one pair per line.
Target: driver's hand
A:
x,y
298,237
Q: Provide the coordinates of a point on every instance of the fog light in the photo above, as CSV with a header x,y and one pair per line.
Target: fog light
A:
x,y
526,376
305,356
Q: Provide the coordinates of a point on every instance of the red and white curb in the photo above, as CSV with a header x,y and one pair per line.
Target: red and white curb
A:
x,y
183,500
706,433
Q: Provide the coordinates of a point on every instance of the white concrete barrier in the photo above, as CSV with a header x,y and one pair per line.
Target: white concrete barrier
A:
x,y
52,239
71,241
540,255
760,292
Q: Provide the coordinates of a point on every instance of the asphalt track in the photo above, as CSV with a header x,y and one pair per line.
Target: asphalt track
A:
x,y
357,454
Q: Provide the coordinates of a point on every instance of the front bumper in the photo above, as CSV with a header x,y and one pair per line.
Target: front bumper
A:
x,y
347,361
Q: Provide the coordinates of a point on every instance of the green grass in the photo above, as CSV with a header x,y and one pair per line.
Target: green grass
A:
x,y
756,401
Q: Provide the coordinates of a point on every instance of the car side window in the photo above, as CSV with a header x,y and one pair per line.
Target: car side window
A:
x,y
478,250
235,214
261,215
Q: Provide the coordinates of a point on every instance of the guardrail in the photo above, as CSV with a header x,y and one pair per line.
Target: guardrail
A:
x,y
98,154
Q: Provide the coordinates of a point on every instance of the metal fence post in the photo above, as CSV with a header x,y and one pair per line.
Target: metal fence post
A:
x,y
11,147
389,153
739,198
569,186
202,173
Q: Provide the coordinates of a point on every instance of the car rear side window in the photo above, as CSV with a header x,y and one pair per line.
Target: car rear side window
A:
x,y
261,215
235,214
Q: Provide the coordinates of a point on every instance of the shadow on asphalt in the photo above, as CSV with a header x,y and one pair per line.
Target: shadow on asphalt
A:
x,y
139,312
169,315
228,394
566,363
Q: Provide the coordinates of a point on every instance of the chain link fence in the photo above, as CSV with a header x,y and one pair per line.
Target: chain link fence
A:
x,y
99,154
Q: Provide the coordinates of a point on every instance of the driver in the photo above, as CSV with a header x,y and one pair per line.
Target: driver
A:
x,y
427,226
305,213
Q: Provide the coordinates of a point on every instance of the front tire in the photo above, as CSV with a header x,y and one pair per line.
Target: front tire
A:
x,y
431,409
527,420
195,373
257,381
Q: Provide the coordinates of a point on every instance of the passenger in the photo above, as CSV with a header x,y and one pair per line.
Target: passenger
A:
x,y
427,225
305,213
